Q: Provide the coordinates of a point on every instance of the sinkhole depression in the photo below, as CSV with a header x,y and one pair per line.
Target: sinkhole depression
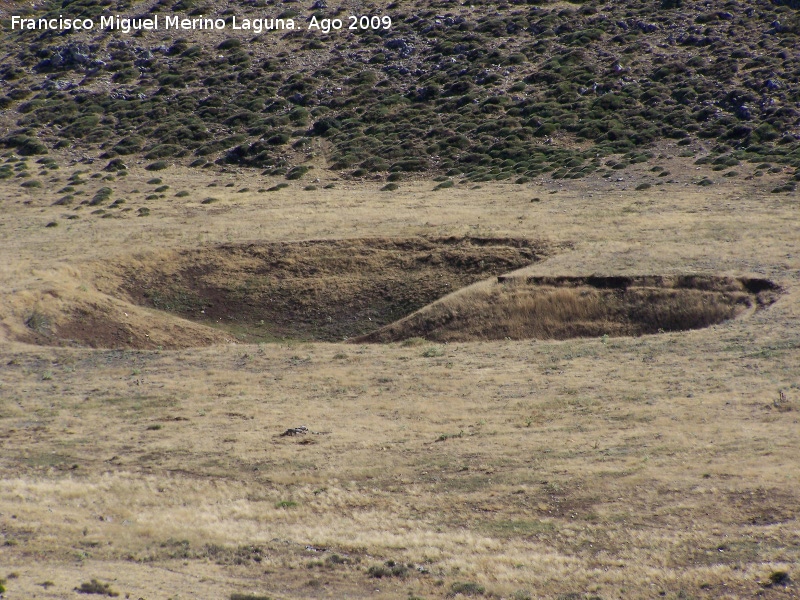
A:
x,y
372,290
322,290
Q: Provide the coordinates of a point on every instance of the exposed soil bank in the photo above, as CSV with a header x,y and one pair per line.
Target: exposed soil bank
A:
x,y
570,307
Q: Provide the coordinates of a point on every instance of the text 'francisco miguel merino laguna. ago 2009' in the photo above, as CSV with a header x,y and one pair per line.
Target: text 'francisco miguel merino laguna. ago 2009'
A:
x,y
159,22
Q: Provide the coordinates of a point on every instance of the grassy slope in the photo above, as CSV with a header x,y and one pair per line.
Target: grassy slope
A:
x,y
490,90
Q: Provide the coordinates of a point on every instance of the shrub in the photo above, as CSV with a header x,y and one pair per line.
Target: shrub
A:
x,y
433,352
25,146
163,150
96,587
129,145
229,44
389,187
104,193
467,588
38,322
388,569
115,164
779,578
159,165
297,172
278,139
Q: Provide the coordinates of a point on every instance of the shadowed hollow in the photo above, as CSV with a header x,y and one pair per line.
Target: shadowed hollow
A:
x,y
326,290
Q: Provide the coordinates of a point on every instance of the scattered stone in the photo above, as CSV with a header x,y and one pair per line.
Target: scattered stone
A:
x,y
301,430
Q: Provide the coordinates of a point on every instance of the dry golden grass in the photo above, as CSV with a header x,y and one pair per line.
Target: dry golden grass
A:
x,y
564,308
655,466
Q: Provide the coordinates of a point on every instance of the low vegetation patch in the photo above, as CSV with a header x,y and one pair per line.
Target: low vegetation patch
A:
x,y
388,569
96,587
466,588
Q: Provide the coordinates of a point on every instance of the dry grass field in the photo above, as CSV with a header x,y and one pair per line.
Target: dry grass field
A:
x,y
663,465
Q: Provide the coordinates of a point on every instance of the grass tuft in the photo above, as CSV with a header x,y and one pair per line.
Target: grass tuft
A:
x,y
466,588
96,587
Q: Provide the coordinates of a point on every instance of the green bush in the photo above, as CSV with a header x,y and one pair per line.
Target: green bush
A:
x,y
229,44
115,165
278,139
297,172
467,588
24,145
101,196
163,150
388,569
96,587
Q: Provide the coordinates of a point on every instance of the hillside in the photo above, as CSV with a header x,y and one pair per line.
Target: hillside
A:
x,y
501,302
486,90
